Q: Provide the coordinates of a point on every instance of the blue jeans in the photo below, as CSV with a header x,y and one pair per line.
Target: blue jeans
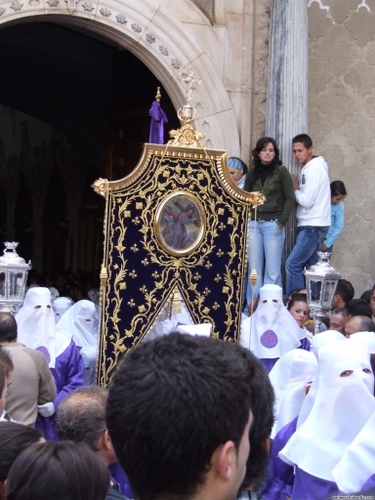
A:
x,y
308,242
267,247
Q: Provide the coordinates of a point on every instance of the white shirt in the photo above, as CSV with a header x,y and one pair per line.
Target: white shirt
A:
x,y
314,195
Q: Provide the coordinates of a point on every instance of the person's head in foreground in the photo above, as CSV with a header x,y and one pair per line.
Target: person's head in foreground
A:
x,y
179,414
58,470
14,439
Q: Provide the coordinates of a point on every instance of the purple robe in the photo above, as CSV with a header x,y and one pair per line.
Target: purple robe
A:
x,y
269,363
117,472
305,344
158,118
369,484
308,487
69,374
280,477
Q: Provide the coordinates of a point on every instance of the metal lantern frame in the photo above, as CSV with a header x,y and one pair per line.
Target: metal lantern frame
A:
x,y
13,276
321,284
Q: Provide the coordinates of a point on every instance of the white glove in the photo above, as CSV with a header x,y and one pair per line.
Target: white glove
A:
x,y
46,410
167,326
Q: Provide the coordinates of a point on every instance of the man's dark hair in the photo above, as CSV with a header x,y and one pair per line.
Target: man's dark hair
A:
x,y
345,289
58,470
366,324
173,401
262,408
81,415
14,438
305,139
358,307
8,327
366,295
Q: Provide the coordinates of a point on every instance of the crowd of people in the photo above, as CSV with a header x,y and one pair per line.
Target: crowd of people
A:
x,y
320,213
283,414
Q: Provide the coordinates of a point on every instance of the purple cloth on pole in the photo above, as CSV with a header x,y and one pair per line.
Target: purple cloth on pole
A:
x,y
280,477
308,487
69,374
158,118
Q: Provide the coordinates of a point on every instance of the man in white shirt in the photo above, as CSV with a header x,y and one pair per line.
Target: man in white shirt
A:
x,y
313,196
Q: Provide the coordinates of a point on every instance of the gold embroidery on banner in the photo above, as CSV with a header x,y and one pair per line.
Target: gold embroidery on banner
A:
x,y
172,175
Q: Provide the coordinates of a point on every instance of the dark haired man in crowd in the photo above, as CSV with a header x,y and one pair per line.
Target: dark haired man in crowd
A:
x,y
32,381
313,196
356,307
344,293
81,418
337,321
179,412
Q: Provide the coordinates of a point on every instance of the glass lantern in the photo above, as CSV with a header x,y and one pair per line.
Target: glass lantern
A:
x,y
321,284
13,276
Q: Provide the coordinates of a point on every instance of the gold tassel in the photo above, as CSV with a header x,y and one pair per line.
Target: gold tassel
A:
x,y
253,277
176,302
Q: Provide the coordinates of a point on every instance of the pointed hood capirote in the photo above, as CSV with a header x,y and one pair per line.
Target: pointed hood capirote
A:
x,y
343,403
36,325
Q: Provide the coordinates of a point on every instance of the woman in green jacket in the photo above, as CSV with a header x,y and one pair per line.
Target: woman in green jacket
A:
x,y
267,234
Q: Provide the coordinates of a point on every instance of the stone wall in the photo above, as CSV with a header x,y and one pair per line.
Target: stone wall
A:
x,y
342,122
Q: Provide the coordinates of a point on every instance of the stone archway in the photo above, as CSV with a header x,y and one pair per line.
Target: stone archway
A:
x,y
160,41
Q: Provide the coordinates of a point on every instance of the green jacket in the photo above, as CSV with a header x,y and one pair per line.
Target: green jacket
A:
x,y
279,192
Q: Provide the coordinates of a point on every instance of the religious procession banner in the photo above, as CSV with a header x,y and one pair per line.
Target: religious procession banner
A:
x,y
175,227
175,222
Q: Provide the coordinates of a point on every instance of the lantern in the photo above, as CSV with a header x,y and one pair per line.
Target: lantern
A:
x,y
13,275
321,283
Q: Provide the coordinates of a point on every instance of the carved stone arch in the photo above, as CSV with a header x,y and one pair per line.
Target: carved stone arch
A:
x,y
207,7
160,41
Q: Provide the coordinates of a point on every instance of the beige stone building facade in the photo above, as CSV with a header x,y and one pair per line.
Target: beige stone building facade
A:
x,y
342,122
227,45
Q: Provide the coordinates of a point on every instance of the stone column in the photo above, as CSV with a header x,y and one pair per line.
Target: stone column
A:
x,y
286,112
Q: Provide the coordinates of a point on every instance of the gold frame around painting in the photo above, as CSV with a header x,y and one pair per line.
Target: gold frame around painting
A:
x,y
180,223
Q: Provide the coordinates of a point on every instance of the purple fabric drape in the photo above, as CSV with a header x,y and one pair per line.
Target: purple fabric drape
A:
x,y
158,118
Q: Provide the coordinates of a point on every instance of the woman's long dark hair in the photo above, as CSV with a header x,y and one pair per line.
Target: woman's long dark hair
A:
x,y
257,164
